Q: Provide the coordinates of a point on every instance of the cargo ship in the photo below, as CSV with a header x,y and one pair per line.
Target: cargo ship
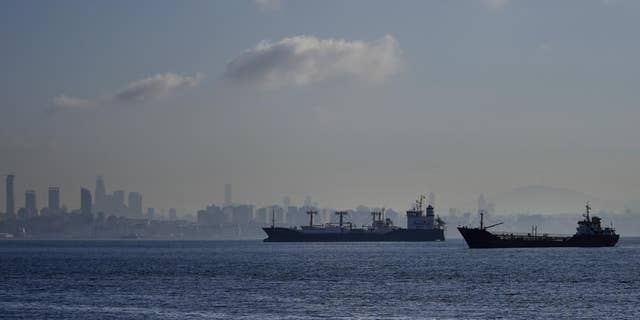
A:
x,y
422,225
589,233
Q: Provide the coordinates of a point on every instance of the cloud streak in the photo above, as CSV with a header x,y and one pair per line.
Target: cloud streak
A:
x,y
149,88
306,60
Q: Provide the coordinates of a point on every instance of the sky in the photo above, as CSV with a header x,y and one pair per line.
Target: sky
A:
x,y
351,102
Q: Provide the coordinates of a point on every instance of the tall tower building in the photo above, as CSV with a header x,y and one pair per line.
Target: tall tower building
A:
x,y
135,203
227,194
30,204
85,201
100,192
10,199
54,198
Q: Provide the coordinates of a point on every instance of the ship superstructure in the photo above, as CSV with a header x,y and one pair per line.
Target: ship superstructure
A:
x,y
589,233
422,225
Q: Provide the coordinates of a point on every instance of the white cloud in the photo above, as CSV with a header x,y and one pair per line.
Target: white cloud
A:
x,y
305,60
269,5
155,86
64,102
152,87
495,4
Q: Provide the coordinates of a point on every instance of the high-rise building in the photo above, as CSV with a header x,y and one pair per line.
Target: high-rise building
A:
x,y
30,203
151,213
242,214
118,198
54,198
135,203
10,199
85,201
227,194
173,214
212,215
100,193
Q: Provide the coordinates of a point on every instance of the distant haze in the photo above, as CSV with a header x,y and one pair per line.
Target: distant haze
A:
x,y
532,103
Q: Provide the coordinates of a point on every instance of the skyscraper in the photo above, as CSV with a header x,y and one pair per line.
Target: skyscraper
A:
x,y
135,203
118,198
10,199
85,201
151,213
227,194
54,198
30,203
100,193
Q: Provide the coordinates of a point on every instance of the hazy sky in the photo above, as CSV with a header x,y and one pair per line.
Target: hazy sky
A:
x,y
351,102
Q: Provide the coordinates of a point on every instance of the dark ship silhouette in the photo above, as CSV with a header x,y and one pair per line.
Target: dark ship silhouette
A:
x,y
421,226
589,234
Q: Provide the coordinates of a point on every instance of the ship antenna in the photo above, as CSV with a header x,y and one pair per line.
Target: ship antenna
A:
x,y
588,210
420,202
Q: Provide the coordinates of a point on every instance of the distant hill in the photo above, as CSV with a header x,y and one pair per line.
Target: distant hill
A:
x,y
544,200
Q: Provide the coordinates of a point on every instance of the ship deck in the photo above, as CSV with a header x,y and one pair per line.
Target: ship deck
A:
x,y
531,237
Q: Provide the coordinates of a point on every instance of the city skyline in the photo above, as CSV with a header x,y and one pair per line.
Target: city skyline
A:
x,y
123,203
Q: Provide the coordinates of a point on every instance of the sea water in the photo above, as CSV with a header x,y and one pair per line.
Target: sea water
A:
x,y
255,280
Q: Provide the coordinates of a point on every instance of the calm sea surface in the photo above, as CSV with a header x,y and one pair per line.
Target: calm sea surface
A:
x,y
255,280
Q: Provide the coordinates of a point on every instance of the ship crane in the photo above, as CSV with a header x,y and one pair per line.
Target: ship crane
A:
x,y
493,225
341,214
374,214
311,213
482,222
377,215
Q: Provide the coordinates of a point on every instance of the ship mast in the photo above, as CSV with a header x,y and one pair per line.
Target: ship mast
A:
x,y
588,207
341,214
273,218
311,213
420,202
482,219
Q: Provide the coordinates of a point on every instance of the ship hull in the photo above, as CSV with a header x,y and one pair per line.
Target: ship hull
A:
x,y
293,235
479,238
